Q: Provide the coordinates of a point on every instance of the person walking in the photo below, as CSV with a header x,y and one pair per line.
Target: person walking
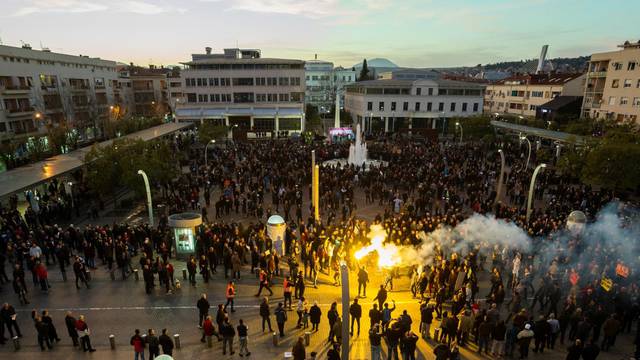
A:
x,y
83,329
203,309
138,345
70,322
154,344
166,343
9,316
243,331
281,318
355,310
363,279
298,351
300,309
43,333
80,271
263,278
265,313
381,297
231,294
208,329
228,333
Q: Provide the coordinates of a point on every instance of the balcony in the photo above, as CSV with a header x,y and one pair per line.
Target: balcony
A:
x,y
20,112
597,74
15,89
592,105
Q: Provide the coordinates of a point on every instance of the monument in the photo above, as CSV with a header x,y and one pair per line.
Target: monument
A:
x,y
357,150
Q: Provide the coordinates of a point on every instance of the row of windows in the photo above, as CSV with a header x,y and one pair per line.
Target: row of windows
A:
x,y
243,98
327,77
615,83
522,93
245,66
417,106
49,62
624,101
249,81
631,65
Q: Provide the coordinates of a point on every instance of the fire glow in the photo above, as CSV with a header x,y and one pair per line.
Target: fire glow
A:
x,y
388,254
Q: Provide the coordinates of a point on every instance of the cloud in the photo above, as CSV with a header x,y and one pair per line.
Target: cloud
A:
x,y
80,6
308,8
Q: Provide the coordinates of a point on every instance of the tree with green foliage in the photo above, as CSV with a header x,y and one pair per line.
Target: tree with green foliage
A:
x,y
364,72
613,166
312,118
208,131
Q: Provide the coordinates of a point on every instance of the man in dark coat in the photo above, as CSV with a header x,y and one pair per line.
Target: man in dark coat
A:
x,y
70,322
166,343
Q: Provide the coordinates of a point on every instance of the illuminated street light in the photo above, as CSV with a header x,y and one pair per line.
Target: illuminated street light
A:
x,y
499,189
460,126
529,155
206,164
149,204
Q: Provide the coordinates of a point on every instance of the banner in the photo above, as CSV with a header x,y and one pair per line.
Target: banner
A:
x,y
622,270
606,284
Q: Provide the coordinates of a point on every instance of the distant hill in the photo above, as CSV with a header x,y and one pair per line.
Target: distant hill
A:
x,y
578,64
377,63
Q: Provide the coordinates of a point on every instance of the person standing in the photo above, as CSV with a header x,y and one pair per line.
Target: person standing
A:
x,y
83,329
574,352
298,351
265,313
231,294
315,314
154,344
363,279
43,333
47,320
228,333
287,287
203,309
281,318
166,342
138,345
426,318
408,345
375,337
70,322
524,340
381,297
80,271
192,267
355,310
243,332
610,330
9,316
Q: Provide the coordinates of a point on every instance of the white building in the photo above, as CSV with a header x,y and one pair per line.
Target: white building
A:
x,y
244,91
324,83
39,88
392,105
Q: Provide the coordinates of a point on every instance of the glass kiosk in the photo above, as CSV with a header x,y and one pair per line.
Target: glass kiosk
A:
x,y
184,231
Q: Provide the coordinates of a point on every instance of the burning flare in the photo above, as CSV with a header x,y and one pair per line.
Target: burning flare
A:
x,y
388,254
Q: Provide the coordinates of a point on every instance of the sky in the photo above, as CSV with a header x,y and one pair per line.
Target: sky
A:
x,y
412,33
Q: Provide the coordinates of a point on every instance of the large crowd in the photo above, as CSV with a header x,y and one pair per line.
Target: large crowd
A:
x,y
421,186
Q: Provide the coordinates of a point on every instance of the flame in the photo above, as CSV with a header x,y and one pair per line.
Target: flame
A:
x,y
388,254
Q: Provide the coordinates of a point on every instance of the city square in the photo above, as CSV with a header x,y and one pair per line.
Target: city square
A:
x,y
247,203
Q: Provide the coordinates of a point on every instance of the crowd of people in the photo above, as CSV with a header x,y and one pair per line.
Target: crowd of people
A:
x,y
420,187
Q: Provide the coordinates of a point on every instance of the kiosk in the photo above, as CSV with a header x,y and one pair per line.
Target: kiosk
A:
x,y
184,227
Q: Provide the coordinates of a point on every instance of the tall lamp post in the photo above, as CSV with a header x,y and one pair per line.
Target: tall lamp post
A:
x,y
529,155
460,126
499,188
206,151
344,272
533,181
149,204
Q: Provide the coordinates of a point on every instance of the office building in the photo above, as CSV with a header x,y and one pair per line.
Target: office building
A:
x,y
393,105
242,90
40,89
522,95
324,83
612,88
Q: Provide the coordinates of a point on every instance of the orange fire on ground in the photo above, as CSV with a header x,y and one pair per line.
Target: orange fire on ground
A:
x,y
388,254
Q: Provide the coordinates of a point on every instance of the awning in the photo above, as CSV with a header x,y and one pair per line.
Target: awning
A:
x,y
270,112
239,111
213,113
186,112
290,112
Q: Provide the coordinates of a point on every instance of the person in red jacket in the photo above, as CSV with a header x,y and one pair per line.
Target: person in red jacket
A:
x,y
231,294
42,274
138,345
83,330
208,329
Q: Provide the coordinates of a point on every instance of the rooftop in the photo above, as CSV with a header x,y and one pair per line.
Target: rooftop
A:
x,y
265,61
30,175
538,79
45,54
443,83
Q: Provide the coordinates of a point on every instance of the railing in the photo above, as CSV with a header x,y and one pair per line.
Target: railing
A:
x,y
20,109
593,74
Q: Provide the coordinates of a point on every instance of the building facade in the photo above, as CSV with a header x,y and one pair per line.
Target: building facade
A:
x,y
392,105
324,83
39,88
612,89
522,95
243,91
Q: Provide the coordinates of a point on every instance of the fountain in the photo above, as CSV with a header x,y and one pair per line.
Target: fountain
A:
x,y
357,155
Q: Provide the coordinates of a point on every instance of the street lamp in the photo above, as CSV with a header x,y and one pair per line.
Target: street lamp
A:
x,y
73,205
149,204
206,152
499,188
529,155
344,272
460,126
533,181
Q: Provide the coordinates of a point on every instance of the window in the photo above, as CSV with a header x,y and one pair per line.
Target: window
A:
x,y
475,107
452,107
314,77
284,97
638,84
417,108
636,102
514,92
393,106
624,100
617,66
441,106
612,100
627,83
615,83
418,91
289,123
537,94
631,66
464,107
214,97
283,81
190,82
532,107
191,97
430,91
370,106
307,77
203,98
261,81
405,106
272,81
242,81
429,106
295,81
381,106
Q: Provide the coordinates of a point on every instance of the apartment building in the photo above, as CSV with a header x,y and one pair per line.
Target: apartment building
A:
x,y
324,83
392,105
40,88
612,88
240,89
522,95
